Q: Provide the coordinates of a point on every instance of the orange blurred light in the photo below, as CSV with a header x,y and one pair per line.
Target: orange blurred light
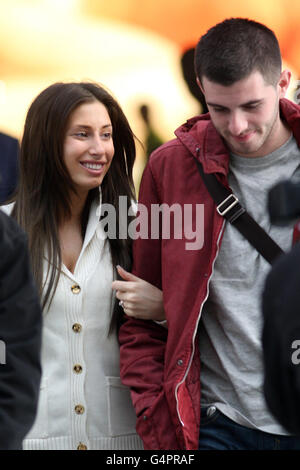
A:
x,y
184,21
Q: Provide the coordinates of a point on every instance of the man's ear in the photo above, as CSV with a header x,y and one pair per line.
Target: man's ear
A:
x,y
283,83
199,84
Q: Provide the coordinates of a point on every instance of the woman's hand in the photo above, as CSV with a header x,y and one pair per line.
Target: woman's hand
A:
x,y
140,299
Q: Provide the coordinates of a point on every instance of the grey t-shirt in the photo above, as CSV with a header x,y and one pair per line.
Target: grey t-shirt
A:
x,y
231,324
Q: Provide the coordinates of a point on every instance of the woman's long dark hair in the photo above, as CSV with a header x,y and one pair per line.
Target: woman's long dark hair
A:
x,y
43,194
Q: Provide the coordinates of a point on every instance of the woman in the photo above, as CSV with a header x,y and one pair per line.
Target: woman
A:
x,y
77,153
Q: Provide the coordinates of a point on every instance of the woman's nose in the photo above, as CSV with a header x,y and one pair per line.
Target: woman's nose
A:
x,y
97,148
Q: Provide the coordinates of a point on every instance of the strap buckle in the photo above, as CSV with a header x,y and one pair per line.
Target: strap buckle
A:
x,y
230,206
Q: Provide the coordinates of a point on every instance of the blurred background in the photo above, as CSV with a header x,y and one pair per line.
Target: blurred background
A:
x,y
139,49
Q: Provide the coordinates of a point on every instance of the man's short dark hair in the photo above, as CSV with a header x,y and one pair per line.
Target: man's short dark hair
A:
x,y
233,49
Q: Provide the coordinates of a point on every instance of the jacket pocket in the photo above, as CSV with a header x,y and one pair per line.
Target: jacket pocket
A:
x,y
156,428
121,414
39,429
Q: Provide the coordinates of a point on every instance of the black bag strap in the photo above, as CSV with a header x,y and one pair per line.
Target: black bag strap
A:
x,y
229,207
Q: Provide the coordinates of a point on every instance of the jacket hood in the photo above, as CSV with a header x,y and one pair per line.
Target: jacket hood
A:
x,y
201,138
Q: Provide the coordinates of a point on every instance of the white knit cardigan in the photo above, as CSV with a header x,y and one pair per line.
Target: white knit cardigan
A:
x,y
82,403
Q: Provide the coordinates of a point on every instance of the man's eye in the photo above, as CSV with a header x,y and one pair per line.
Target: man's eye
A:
x,y
251,106
219,110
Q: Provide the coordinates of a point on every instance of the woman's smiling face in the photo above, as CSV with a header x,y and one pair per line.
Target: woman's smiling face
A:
x,y
88,146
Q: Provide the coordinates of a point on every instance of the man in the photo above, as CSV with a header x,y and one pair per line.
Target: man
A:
x,y
20,335
9,150
212,295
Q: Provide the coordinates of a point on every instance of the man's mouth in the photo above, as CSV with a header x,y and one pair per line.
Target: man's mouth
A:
x,y
243,137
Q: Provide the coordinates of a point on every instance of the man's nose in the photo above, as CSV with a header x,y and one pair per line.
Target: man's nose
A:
x,y
237,123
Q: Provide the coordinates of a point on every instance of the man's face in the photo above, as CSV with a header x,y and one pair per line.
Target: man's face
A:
x,y
246,114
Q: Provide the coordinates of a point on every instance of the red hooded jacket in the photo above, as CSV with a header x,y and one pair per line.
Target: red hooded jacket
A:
x,y
162,366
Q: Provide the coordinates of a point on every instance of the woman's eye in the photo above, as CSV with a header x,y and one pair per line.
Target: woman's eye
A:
x,y
80,134
107,135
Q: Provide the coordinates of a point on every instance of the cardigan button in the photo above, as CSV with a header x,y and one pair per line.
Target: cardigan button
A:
x,y
75,289
76,328
79,409
180,362
81,446
77,368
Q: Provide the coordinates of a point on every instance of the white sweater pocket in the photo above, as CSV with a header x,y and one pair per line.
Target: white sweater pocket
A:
x,y
121,414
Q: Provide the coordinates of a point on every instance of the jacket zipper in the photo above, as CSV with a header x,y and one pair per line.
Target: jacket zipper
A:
x,y
196,328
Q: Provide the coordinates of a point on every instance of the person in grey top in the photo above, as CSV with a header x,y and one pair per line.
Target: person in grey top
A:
x,y
212,297
244,109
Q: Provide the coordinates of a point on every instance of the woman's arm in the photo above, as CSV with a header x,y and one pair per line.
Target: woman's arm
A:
x,y
140,298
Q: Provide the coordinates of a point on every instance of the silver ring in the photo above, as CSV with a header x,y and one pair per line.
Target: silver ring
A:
x,y
121,303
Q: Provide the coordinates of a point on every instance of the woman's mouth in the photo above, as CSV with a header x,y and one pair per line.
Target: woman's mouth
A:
x,y
92,168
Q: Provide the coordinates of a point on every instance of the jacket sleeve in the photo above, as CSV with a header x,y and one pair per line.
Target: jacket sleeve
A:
x,y
20,335
143,343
